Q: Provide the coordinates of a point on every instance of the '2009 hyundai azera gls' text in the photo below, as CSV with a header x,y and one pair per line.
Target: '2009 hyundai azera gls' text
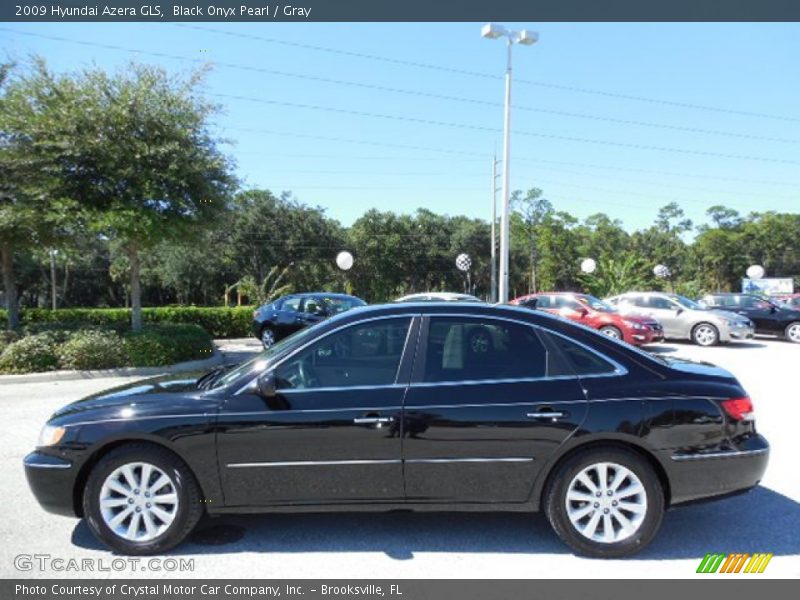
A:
x,y
434,406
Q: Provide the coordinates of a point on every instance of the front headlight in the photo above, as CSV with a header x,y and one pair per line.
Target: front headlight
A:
x,y
50,435
635,325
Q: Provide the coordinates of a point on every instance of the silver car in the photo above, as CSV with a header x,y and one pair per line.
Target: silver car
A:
x,y
684,319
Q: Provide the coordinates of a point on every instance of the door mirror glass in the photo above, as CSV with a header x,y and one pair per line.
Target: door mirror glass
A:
x,y
266,385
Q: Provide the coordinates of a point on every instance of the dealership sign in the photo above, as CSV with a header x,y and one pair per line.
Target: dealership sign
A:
x,y
769,286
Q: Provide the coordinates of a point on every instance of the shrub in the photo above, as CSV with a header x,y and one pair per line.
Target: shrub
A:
x,y
7,338
92,349
165,344
219,321
30,354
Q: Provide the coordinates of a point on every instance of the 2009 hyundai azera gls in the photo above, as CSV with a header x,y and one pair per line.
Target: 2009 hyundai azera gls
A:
x,y
423,406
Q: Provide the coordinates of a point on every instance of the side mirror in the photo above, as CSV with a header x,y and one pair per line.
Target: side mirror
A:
x,y
582,312
678,311
266,385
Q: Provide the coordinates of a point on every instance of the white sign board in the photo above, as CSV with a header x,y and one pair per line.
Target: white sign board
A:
x,y
769,286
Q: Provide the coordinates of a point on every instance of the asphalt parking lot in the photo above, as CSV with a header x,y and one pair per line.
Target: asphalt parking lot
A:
x,y
436,545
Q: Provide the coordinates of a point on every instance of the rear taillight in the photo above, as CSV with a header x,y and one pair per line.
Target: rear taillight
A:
x,y
739,409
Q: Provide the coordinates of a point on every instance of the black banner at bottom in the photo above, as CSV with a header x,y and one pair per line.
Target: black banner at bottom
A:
x,y
400,589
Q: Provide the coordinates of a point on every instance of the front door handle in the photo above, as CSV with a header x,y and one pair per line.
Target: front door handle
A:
x,y
547,414
373,420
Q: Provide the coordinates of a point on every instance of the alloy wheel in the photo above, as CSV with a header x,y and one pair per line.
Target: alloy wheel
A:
x,y
611,332
138,501
606,502
793,333
267,337
705,335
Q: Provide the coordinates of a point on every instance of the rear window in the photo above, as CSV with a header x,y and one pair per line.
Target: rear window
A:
x,y
566,357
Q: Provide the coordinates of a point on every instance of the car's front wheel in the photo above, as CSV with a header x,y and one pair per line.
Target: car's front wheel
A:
x,y
611,332
141,499
705,334
605,503
268,337
793,332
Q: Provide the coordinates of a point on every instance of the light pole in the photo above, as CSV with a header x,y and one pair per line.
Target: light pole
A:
x,y
493,290
528,38
53,293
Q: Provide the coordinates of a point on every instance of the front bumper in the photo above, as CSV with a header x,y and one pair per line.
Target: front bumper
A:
x,y
52,481
742,333
640,337
697,476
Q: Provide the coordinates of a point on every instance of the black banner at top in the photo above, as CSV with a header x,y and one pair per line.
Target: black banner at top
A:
x,y
399,10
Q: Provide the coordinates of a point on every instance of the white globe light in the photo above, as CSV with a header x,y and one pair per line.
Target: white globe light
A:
x,y
588,265
755,271
344,260
661,271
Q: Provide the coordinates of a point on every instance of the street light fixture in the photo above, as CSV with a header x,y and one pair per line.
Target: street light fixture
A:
x,y
493,31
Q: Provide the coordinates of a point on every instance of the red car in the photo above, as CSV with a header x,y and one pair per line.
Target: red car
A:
x,y
593,312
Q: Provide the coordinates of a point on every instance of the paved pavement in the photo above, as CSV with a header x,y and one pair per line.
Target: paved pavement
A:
x,y
407,545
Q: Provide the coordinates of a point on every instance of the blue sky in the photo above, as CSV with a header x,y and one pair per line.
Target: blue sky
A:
x,y
424,150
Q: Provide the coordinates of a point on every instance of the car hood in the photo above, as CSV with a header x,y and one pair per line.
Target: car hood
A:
x,y
731,316
696,367
644,320
163,395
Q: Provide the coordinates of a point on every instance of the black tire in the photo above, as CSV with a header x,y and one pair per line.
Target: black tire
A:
x,y
188,511
556,503
705,334
612,332
792,332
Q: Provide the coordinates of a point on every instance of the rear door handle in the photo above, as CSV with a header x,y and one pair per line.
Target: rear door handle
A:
x,y
547,414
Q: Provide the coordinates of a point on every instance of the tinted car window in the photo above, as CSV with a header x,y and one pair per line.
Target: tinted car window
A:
x,y
752,302
539,302
339,305
565,302
482,349
568,358
659,302
292,303
366,354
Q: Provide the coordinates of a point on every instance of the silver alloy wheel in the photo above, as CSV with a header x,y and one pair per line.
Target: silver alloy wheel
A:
x,y
138,501
606,503
793,333
267,337
611,332
705,335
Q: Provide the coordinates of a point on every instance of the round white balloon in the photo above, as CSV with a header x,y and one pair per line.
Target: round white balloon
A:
x,y
344,260
661,271
463,262
755,271
588,265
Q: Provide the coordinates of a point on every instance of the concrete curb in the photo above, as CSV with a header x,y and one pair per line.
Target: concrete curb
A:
x,y
191,365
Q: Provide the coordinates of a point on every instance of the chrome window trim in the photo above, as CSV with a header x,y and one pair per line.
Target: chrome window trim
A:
x,y
248,386
717,455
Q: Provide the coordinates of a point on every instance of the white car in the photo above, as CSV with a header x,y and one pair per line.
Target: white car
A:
x,y
439,297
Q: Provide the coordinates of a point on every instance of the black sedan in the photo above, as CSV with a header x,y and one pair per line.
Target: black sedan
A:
x,y
281,318
418,406
769,318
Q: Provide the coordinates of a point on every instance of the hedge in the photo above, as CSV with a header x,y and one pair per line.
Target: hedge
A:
x,y
157,345
220,322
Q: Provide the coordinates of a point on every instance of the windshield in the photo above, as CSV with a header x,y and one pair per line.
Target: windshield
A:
x,y
340,305
260,361
596,304
685,302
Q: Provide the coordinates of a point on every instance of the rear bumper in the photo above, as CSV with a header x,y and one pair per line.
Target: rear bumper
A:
x,y
698,476
52,481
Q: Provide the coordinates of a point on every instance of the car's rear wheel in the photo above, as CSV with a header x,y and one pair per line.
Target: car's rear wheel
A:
x,y
611,332
605,502
705,334
141,499
268,337
793,332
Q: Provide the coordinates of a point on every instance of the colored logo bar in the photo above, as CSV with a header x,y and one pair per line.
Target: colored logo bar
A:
x,y
735,562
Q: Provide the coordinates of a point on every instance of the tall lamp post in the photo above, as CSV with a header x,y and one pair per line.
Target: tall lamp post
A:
x,y
528,38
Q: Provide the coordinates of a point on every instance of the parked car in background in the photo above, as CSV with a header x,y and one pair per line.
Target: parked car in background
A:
x,y
684,319
396,407
274,321
594,313
769,318
439,297
790,300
